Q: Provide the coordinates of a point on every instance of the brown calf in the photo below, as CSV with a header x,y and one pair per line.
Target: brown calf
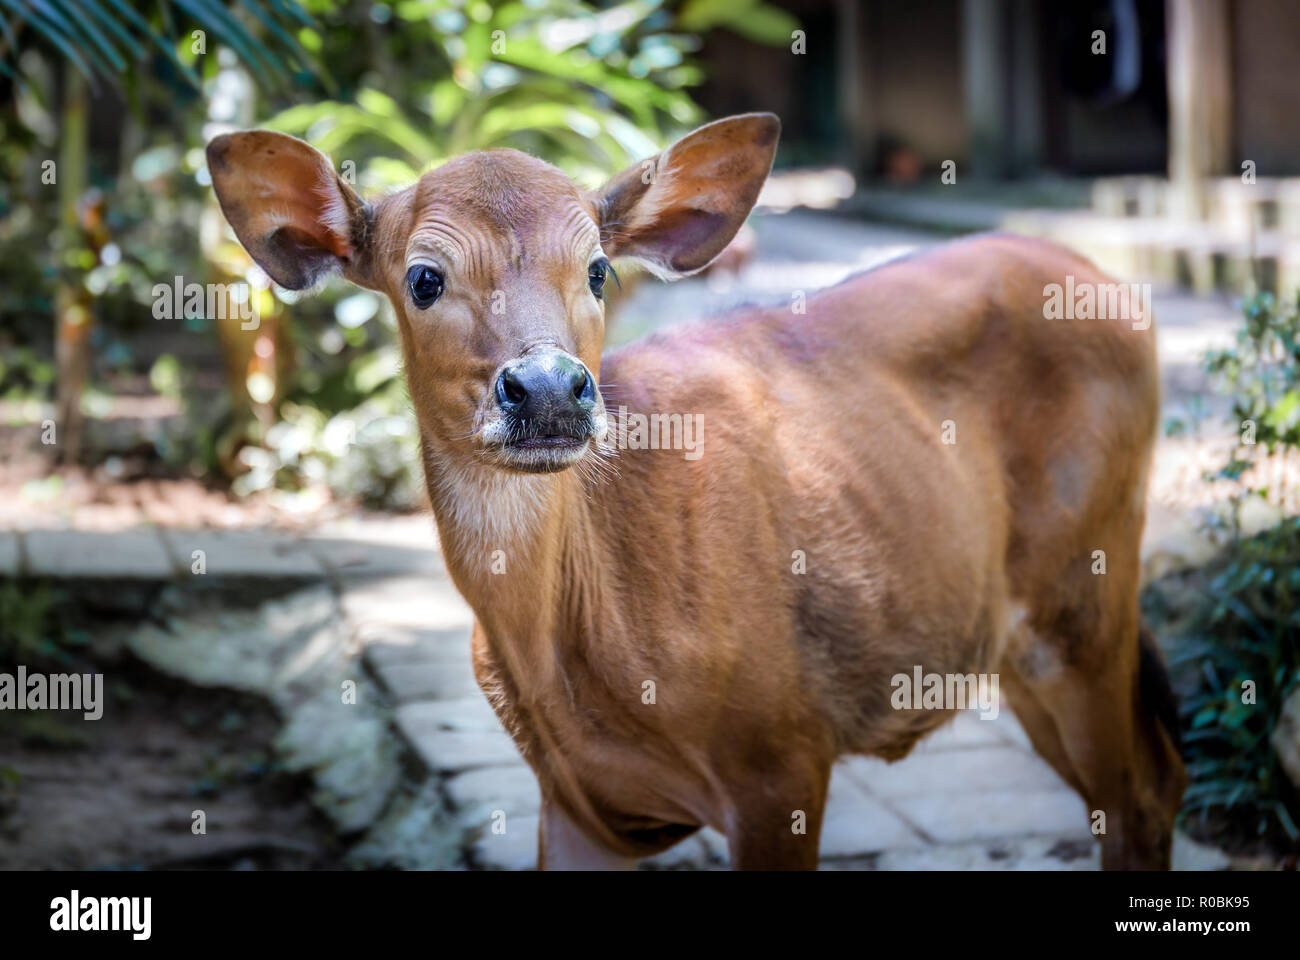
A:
x,y
917,471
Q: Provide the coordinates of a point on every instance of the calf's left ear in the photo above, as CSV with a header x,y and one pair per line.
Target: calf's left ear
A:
x,y
290,210
677,211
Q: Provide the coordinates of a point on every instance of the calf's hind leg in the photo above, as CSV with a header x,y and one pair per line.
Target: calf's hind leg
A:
x,y
1125,762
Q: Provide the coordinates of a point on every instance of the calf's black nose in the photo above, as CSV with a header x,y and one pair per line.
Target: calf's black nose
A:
x,y
546,387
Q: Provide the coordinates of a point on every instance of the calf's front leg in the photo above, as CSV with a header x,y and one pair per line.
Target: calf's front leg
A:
x,y
561,845
777,823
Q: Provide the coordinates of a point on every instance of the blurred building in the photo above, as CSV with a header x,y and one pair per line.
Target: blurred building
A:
x,y
1168,107
1014,87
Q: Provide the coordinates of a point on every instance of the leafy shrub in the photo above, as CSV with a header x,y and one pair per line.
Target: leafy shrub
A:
x,y
1262,373
1237,649
1238,653
590,87
34,626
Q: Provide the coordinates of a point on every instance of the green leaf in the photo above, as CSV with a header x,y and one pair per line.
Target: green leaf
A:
x,y
96,10
157,39
48,24
1286,413
98,36
290,9
86,25
698,16
231,32
767,25
287,40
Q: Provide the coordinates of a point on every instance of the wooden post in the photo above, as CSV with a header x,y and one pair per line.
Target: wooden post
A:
x,y
1200,101
854,81
985,51
74,315
1026,94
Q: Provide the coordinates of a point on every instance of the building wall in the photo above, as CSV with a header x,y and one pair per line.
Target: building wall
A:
x,y
913,63
911,98
908,61
743,75
1266,80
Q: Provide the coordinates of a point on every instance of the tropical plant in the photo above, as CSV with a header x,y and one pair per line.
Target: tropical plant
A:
x,y
590,85
107,39
1238,653
551,78
1262,373
104,39
1236,640
589,88
35,626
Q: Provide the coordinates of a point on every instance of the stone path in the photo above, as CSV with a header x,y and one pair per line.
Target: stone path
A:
x,y
972,796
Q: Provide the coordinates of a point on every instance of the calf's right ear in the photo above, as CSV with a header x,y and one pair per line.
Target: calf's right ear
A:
x,y
289,209
677,211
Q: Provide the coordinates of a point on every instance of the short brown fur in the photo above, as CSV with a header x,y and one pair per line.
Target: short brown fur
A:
x,y
822,434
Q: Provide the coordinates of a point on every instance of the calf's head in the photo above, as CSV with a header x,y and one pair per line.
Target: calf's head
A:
x,y
496,264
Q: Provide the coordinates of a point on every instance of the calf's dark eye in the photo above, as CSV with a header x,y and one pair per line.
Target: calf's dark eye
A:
x,y
596,274
425,284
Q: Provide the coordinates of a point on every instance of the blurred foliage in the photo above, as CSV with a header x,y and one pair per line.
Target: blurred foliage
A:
x,y
34,626
1245,631
104,38
1241,622
588,88
24,373
389,88
39,629
347,421
1262,372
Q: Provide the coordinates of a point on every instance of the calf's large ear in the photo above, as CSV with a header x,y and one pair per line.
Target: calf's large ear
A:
x,y
677,211
290,210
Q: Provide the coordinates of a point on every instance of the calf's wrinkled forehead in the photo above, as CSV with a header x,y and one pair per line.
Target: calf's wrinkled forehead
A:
x,y
486,197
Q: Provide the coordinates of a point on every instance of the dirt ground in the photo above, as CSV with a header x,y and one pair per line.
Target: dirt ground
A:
x,y
120,793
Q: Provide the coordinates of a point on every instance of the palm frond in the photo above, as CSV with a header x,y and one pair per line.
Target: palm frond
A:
x,y
105,39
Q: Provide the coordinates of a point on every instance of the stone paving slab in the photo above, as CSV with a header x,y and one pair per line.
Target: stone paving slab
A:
x,y
243,553
981,768
1033,853
452,679
137,554
715,843
1027,853
982,815
384,646
516,849
855,824
470,713
419,602
10,554
416,531
693,853
454,751
405,546
393,548
512,789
